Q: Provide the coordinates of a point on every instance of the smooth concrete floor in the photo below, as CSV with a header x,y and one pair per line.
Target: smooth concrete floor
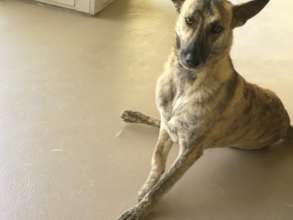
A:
x,y
65,78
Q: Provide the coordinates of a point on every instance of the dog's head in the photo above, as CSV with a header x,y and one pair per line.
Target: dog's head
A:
x,y
204,28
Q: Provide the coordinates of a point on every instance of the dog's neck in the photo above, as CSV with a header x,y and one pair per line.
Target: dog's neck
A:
x,y
210,75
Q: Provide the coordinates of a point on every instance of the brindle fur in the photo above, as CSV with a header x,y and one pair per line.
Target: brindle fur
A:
x,y
208,106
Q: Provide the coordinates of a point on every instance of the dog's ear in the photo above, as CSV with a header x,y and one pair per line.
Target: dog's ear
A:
x,y
243,12
178,4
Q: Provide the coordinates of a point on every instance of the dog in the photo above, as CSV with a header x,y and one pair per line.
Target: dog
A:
x,y
203,102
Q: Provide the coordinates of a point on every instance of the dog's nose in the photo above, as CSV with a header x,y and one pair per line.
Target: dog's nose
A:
x,y
191,59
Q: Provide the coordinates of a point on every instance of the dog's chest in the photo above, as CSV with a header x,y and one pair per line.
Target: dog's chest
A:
x,y
186,109
182,116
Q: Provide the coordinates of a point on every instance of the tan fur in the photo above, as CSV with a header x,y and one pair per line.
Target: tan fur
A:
x,y
208,106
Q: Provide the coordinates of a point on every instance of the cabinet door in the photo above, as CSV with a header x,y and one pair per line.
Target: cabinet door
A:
x,y
87,6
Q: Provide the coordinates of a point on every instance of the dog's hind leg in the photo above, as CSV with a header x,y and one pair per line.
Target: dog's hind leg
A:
x,y
138,117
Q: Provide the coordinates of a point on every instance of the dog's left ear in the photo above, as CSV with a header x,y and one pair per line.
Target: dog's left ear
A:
x,y
178,4
243,12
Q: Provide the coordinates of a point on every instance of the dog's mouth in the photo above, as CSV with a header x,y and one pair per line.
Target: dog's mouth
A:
x,y
190,61
189,67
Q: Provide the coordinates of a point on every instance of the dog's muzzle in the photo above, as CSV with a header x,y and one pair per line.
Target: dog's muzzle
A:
x,y
191,59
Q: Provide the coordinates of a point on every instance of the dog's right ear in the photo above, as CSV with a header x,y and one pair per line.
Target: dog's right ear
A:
x,y
178,4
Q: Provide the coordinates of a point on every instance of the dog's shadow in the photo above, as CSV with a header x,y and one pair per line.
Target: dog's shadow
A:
x,y
228,183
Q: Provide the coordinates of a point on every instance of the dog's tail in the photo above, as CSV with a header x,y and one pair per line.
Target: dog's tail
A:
x,y
138,117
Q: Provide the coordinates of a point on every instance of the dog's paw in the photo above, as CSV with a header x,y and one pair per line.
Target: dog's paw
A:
x,y
131,214
130,116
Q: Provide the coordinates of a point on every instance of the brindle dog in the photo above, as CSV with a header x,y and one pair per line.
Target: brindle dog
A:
x,y
202,100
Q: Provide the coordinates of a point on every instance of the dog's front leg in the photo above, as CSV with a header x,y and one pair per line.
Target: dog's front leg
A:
x,y
187,156
158,162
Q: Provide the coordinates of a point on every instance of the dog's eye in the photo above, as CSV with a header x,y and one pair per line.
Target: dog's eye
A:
x,y
217,28
189,21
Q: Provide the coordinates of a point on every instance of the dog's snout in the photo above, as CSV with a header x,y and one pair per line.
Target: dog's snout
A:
x,y
191,59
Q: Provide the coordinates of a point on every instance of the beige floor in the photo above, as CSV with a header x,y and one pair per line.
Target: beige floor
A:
x,y
64,79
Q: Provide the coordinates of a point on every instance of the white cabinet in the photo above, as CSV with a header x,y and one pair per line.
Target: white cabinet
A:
x,y
87,6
